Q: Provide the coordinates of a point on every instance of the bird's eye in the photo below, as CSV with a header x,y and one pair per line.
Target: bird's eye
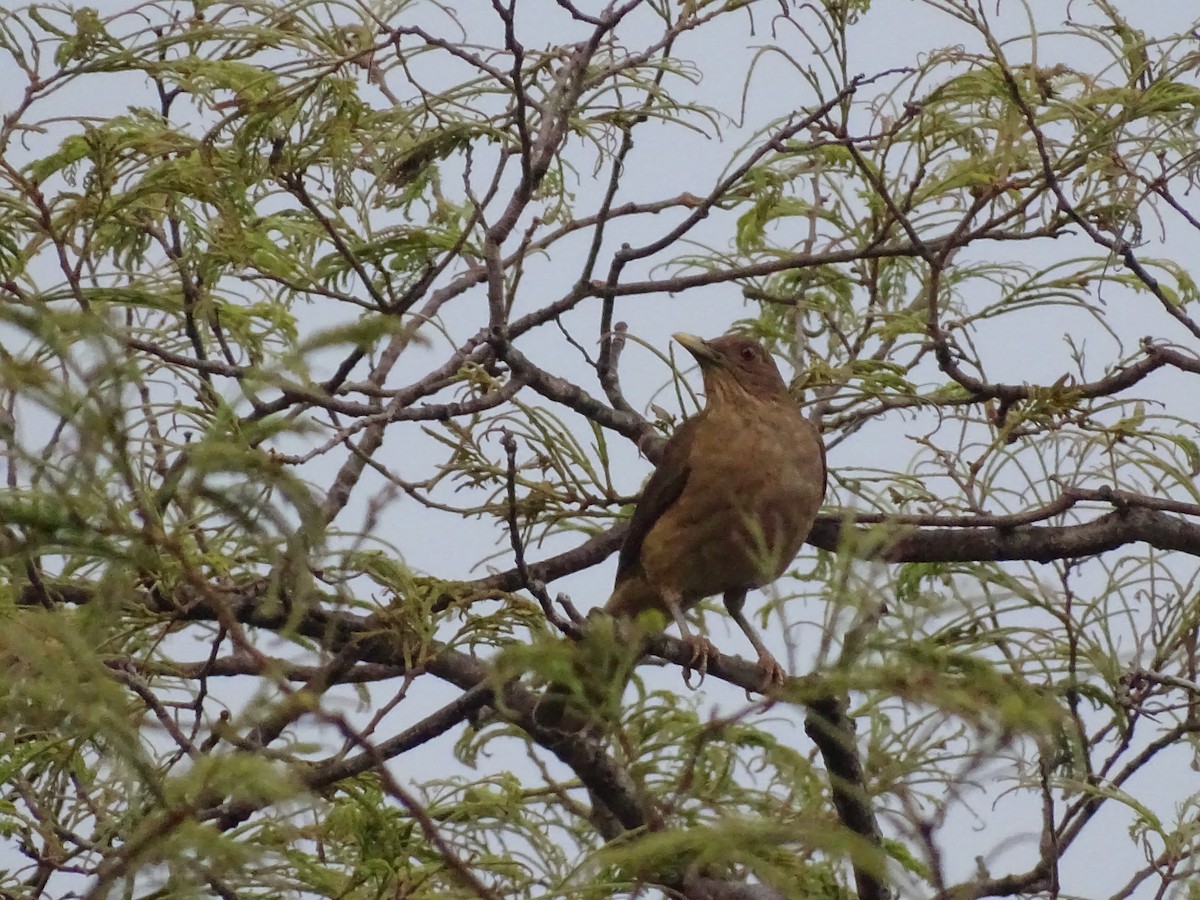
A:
x,y
748,354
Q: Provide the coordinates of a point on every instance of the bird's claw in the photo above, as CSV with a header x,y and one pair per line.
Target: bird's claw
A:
x,y
774,675
702,651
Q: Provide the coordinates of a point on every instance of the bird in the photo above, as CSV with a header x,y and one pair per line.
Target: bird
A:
x,y
734,496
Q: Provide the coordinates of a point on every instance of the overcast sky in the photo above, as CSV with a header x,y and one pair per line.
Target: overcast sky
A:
x,y
667,162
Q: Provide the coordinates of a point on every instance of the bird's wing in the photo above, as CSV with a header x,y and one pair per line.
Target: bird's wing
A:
x,y
662,490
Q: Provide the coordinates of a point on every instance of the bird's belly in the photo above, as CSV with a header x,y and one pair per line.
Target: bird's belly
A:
x,y
709,543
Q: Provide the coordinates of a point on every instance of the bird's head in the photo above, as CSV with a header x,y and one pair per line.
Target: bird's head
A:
x,y
734,367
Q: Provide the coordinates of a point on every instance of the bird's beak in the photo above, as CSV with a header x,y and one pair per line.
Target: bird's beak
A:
x,y
698,347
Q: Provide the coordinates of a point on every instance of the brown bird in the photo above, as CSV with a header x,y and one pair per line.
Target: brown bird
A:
x,y
732,500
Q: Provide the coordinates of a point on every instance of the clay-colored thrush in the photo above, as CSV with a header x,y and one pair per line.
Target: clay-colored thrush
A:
x,y
732,500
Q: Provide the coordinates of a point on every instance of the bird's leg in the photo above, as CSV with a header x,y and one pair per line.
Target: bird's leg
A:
x,y
774,674
702,648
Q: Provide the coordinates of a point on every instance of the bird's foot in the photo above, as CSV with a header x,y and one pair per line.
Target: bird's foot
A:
x,y
702,651
774,675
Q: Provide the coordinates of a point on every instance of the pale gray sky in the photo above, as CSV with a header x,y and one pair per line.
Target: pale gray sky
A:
x,y
668,161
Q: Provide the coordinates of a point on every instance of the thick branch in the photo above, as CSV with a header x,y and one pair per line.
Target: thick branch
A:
x,y
833,733
910,543
1036,543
